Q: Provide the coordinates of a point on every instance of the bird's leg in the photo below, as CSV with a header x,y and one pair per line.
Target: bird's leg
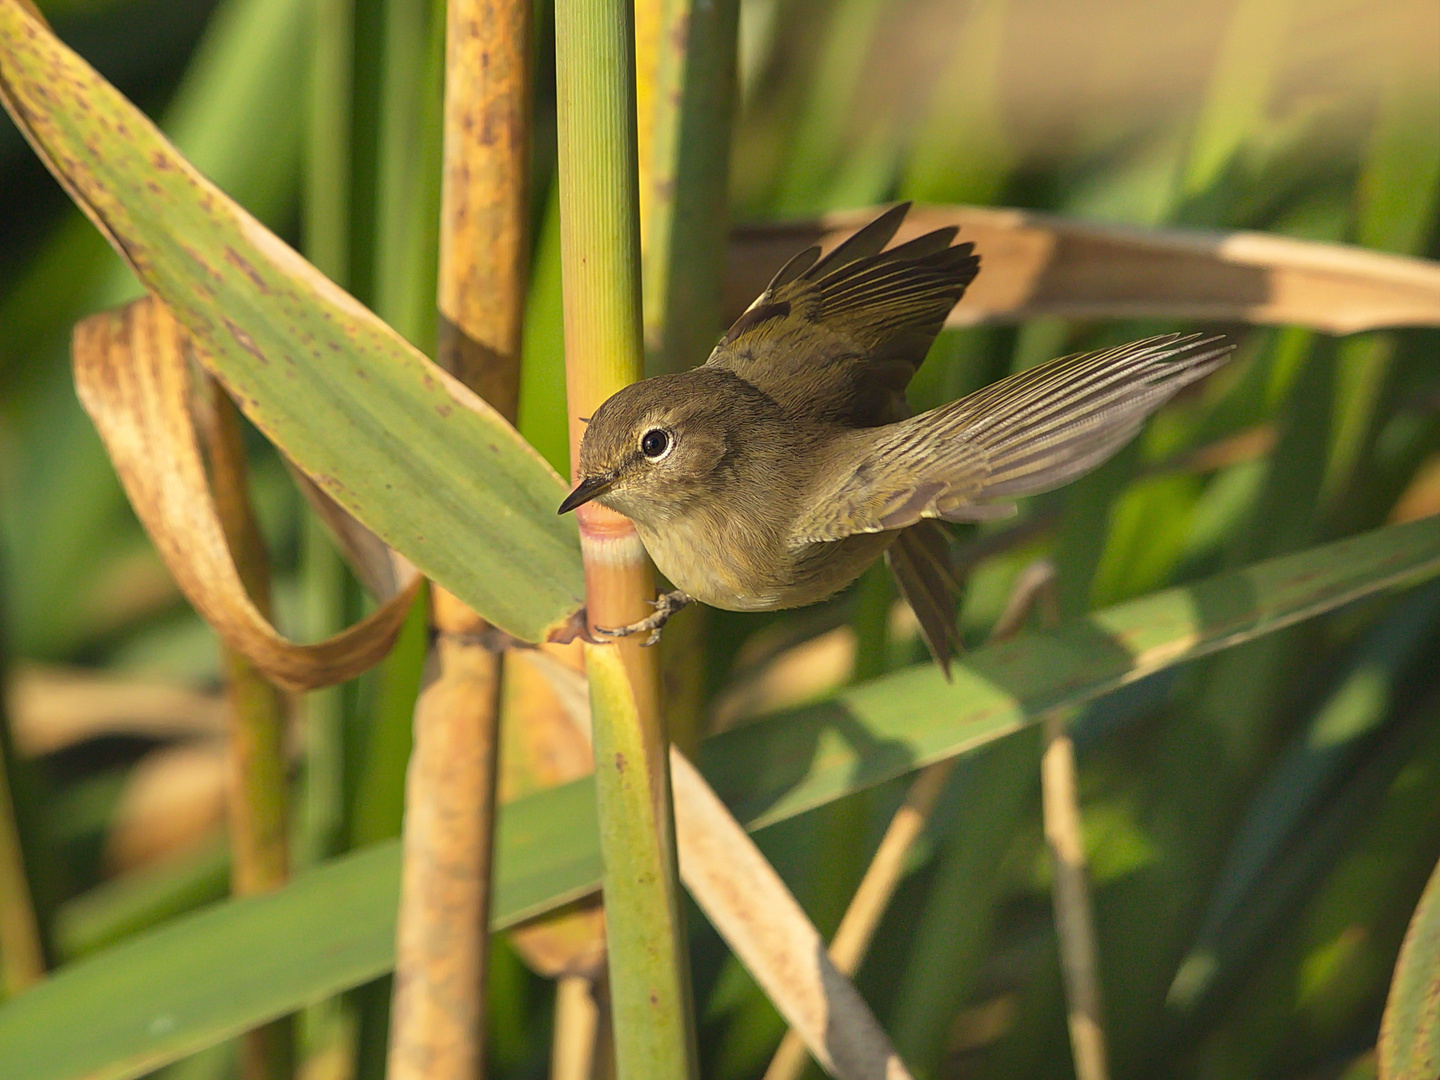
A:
x,y
666,604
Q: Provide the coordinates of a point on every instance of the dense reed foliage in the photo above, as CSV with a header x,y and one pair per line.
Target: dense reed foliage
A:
x,y
1260,820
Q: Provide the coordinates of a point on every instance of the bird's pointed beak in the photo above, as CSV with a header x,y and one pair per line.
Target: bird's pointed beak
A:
x,y
589,488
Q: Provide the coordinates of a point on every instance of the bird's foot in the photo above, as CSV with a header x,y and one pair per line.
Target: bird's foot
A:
x,y
666,604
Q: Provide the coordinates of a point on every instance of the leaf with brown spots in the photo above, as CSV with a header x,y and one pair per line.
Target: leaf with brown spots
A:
x,y
348,400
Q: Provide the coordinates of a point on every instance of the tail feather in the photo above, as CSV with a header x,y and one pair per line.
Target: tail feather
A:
x,y
919,559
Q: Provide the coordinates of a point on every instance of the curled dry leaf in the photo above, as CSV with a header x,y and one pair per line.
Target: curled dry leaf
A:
x,y
52,708
398,442
133,378
1038,265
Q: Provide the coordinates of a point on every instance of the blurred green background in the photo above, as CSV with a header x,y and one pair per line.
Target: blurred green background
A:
x,y
1260,824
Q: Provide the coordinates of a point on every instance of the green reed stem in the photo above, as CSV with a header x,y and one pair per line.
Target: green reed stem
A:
x,y
684,208
600,255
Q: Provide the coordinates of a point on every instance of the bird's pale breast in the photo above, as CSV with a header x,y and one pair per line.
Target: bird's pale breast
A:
x,y
733,565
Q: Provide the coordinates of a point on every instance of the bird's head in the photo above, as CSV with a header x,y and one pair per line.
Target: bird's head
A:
x,y
657,445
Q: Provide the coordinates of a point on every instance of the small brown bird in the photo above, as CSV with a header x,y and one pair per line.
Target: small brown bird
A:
x,y
772,475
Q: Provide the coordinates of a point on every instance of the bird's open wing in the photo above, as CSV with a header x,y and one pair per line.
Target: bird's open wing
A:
x,y
1029,433
838,338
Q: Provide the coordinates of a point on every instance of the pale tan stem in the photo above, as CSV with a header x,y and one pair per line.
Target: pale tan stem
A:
x,y
1074,922
436,1025
756,914
871,899
582,1023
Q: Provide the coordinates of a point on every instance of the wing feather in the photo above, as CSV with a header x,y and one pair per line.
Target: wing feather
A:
x,y
1027,434
838,338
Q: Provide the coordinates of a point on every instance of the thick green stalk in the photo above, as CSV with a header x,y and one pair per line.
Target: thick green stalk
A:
x,y
322,824
326,1028
408,175
600,253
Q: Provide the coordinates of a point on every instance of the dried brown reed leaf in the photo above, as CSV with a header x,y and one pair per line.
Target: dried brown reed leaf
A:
x,y
51,708
172,801
132,374
1038,265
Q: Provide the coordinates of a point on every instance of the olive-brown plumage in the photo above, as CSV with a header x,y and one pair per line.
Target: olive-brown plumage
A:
x,y
772,475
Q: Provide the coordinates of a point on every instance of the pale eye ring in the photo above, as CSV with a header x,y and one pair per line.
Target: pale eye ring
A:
x,y
656,444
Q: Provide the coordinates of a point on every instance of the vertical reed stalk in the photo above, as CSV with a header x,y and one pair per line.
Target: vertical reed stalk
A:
x,y
600,254
326,1034
326,1028
438,1016
1060,802
257,787
326,223
408,196
684,223
1074,921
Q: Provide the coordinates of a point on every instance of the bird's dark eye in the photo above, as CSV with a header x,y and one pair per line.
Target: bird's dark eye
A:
x,y
655,443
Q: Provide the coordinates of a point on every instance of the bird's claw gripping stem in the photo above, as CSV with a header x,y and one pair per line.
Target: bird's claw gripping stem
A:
x,y
666,604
